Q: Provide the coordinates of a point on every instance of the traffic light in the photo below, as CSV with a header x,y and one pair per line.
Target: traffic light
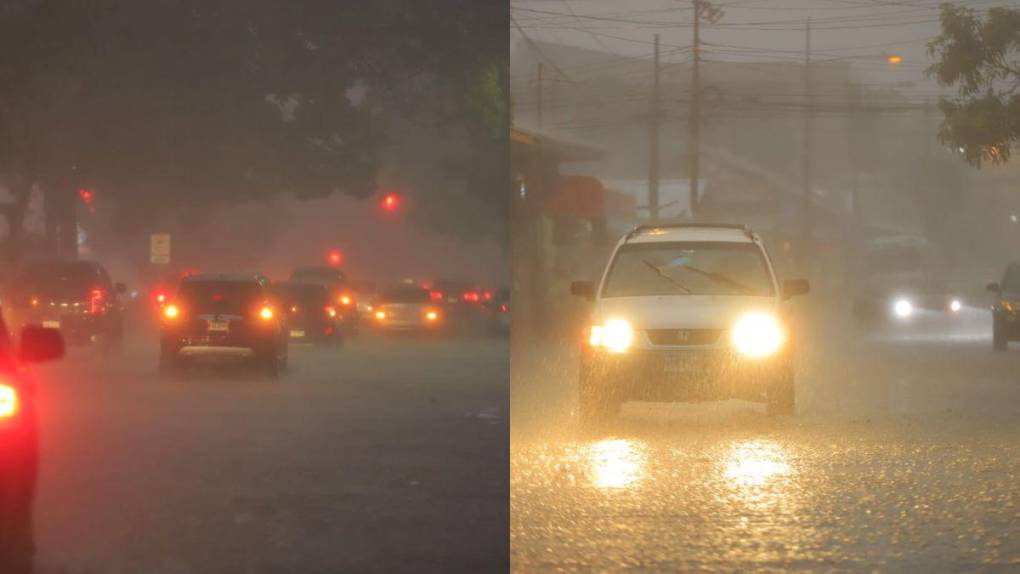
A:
x,y
391,202
335,257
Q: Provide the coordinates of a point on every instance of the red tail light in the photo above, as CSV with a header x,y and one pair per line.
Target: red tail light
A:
x,y
436,296
96,301
504,308
346,299
471,296
331,311
8,401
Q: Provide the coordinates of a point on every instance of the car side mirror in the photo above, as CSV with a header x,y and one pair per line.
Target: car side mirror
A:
x,y
39,345
993,287
120,288
584,289
794,287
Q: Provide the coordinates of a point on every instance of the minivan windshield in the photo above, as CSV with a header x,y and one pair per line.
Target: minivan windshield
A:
x,y
688,268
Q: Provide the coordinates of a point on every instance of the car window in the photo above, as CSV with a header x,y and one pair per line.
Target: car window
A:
x,y
688,268
220,297
59,280
404,295
305,294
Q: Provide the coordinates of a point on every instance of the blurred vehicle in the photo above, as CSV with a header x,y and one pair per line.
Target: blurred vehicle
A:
x,y
1005,326
76,297
407,308
687,312
365,293
899,277
19,441
310,310
223,315
499,309
462,300
341,289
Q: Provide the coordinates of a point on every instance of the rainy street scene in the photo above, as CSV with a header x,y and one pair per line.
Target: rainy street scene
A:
x,y
766,273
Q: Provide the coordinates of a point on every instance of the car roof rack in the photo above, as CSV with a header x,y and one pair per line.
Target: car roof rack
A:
x,y
687,225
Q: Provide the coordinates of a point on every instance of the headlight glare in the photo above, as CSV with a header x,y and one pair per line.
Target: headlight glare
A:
x,y
615,335
903,308
758,335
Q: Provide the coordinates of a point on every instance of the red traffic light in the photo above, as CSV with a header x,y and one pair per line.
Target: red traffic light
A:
x,y
391,202
86,195
335,257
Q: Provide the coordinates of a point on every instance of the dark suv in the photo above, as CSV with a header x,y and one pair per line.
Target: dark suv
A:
x,y
19,442
340,288
311,312
76,297
1006,308
223,316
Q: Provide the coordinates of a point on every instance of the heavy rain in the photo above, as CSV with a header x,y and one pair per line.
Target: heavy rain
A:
x,y
765,272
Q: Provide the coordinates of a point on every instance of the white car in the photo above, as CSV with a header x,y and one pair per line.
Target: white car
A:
x,y
687,312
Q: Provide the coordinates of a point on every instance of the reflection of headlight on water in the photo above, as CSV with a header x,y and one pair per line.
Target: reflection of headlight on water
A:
x,y
903,308
955,305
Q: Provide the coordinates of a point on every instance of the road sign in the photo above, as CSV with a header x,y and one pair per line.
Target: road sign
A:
x,y
159,248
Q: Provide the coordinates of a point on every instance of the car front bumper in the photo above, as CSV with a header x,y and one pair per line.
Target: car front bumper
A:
x,y
685,375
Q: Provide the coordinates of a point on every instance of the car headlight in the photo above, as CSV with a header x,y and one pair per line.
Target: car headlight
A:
x,y
903,308
1008,307
955,305
758,335
615,335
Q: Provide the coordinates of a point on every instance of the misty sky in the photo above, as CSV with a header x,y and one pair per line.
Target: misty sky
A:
x,y
860,31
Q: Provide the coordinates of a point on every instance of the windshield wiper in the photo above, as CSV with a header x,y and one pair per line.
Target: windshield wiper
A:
x,y
662,274
721,279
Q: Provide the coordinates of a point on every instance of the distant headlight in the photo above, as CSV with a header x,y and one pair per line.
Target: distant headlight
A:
x,y
758,335
616,336
903,308
955,305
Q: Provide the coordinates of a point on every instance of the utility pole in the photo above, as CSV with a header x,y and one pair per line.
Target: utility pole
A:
x,y
808,112
653,143
539,95
695,120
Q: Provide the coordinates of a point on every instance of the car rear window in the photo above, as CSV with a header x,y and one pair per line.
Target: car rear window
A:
x,y
62,280
404,295
317,274
305,294
226,297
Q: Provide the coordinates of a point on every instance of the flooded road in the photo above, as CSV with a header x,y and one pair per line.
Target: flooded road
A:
x,y
903,458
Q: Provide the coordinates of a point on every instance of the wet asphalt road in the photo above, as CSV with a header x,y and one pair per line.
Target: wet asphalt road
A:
x,y
385,456
904,457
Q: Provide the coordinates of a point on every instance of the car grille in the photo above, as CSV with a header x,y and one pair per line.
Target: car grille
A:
x,y
683,337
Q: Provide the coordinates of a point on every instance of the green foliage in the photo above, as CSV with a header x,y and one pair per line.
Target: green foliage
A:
x,y
978,57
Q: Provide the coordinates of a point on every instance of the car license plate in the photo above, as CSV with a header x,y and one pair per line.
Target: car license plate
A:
x,y
51,324
452,300
296,334
219,325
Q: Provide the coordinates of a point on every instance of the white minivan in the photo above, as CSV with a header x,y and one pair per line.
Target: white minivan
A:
x,y
687,312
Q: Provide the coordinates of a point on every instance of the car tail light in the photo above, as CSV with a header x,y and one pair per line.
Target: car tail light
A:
x,y
35,301
471,296
504,308
381,315
436,295
431,315
8,401
346,299
96,297
487,295
171,311
331,311
265,313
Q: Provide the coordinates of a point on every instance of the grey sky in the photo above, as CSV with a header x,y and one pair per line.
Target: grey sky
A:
x,y
860,31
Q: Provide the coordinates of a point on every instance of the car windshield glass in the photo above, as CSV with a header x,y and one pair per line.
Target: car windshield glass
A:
x,y
56,280
404,295
215,297
689,268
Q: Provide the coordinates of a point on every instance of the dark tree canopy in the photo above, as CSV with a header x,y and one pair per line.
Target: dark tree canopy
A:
x,y
979,57
191,101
